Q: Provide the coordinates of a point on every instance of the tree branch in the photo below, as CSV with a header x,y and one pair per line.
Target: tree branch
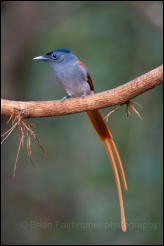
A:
x,y
119,95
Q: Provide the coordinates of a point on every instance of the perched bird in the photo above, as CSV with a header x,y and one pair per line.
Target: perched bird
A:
x,y
74,77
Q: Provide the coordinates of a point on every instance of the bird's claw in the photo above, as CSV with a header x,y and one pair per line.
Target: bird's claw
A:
x,y
64,98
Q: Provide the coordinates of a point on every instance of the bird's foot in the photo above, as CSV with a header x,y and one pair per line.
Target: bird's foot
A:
x,y
64,98
83,95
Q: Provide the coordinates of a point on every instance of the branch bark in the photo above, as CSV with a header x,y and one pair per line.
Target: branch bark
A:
x,y
119,95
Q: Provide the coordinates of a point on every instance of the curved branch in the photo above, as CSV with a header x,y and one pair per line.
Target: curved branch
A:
x,y
119,95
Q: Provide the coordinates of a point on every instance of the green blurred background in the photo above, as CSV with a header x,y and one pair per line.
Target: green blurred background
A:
x,y
71,197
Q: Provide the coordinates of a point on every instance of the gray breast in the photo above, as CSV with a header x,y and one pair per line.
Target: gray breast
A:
x,y
72,78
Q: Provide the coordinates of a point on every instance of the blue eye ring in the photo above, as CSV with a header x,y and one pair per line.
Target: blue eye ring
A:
x,y
54,57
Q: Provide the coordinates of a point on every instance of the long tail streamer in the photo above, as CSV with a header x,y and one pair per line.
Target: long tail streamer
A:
x,y
114,157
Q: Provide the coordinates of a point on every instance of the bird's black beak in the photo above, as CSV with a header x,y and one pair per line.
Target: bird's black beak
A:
x,y
40,58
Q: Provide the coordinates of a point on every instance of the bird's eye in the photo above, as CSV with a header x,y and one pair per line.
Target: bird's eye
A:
x,y
54,56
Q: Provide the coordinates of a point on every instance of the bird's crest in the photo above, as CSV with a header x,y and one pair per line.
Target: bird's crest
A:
x,y
64,50
60,50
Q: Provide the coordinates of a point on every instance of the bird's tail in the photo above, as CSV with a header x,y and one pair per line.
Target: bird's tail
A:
x,y
114,157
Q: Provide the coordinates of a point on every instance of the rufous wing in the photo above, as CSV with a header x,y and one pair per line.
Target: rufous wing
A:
x,y
88,75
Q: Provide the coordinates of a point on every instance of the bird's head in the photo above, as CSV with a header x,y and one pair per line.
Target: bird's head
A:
x,y
56,56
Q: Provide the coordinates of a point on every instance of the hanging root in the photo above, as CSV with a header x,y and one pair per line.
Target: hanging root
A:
x,y
129,104
111,112
24,128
